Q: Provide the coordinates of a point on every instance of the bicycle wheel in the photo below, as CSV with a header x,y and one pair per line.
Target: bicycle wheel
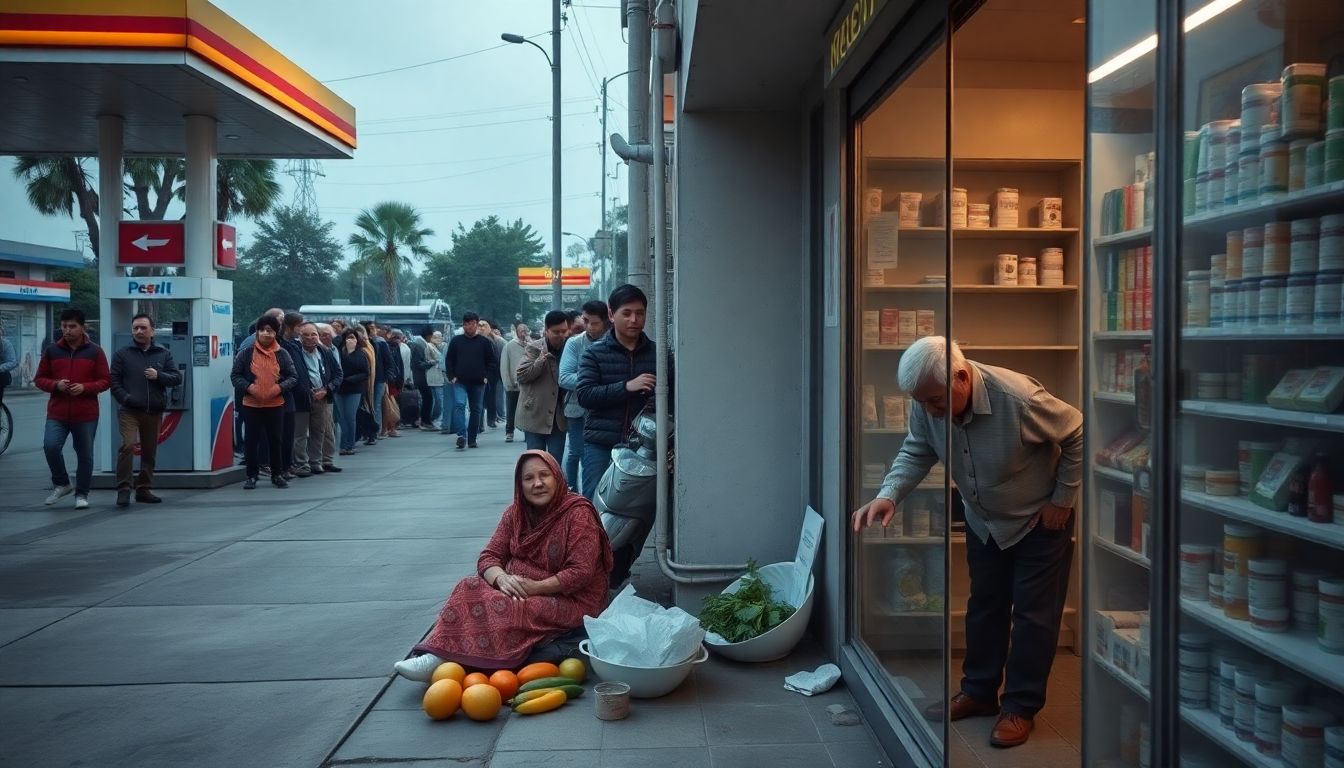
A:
x,y
6,427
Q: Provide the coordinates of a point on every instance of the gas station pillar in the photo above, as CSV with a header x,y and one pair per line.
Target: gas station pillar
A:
x,y
111,314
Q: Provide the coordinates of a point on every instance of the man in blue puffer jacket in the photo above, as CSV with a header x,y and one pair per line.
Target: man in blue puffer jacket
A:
x,y
616,380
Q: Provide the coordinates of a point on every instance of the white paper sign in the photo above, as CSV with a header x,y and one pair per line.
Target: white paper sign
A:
x,y
883,231
808,544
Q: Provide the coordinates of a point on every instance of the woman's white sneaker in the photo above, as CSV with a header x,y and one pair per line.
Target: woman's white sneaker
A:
x,y
419,668
59,492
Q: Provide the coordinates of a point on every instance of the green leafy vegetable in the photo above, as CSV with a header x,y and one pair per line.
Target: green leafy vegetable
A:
x,y
749,612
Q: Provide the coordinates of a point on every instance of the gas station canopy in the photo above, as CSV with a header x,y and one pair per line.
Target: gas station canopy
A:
x,y
153,62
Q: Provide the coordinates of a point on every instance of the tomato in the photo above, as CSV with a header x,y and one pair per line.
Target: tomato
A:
x,y
475,678
573,669
505,682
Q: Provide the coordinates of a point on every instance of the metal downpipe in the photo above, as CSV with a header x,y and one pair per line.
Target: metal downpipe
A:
x,y
701,573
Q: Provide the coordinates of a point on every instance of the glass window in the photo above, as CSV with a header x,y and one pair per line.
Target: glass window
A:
x,y
900,589
1120,154
1261,378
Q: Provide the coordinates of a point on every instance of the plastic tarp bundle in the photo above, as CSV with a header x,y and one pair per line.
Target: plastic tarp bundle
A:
x,y
640,633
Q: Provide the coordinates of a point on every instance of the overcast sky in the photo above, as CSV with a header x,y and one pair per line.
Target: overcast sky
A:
x,y
460,139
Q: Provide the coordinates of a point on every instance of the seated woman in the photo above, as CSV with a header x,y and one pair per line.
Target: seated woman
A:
x,y
544,569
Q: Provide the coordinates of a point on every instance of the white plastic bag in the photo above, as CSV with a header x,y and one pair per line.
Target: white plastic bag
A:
x,y
636,632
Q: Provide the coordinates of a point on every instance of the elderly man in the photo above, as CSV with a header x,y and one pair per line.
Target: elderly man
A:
x,y
326,336
140,378
541,400
1016,455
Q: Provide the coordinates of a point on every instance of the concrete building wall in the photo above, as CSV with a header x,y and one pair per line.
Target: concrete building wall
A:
x,y
739,487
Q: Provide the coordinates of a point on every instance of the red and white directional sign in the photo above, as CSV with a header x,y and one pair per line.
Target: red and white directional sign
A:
x,y
226,242
150,242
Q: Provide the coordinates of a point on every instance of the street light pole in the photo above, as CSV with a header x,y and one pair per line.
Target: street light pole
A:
x,y
553,59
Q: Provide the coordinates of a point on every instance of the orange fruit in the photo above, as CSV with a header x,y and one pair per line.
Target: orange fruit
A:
x,y
442,699
573,669
505,682
475,678
481,702
449,670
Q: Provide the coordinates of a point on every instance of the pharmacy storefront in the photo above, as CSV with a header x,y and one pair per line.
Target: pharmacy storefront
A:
x,y
30,299
1141,206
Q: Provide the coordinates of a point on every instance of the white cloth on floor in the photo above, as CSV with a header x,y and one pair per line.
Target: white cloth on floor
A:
x,y
811,683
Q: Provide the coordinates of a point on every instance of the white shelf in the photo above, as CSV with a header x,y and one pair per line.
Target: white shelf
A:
x,y
1114,397
1263,414
1128,238
1266,333
1123,551
983,347
970,164
1297,650
1203,720
987,233
969,288
1122,335
1323,198
1110,473
1241,508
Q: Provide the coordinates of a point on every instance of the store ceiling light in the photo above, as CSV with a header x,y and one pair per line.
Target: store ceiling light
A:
x,y
1149,44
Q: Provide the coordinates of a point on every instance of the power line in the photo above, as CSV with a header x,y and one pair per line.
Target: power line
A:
x,y
592,33
585,58
469,112
358,166
425,63
519,161
473,125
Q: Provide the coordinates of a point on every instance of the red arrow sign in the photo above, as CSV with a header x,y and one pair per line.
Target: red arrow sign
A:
x,y
150,242
226,242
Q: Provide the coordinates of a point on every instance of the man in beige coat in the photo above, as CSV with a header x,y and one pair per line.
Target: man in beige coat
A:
x,y
509,360
541,401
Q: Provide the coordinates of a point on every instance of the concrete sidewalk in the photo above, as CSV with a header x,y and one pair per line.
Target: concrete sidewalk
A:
x,y
258,628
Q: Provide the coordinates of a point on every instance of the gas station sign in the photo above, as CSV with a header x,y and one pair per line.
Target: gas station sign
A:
x,y
153,243
226,241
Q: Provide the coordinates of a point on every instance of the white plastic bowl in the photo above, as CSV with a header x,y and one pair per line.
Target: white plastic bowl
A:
x,y
777,642
644,682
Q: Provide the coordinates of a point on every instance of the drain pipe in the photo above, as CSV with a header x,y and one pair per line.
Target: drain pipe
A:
x,y
663,36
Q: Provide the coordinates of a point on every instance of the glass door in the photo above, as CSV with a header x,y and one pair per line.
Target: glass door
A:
x,y
1259,436
1119,267
900,576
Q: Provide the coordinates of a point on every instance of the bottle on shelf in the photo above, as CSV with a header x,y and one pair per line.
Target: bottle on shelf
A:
x,y
1320,505
1143,390
1297,492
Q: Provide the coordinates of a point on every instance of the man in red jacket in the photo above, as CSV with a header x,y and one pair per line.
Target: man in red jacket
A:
x,y
74,370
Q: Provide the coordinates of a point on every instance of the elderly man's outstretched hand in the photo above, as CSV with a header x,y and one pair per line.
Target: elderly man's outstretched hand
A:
x,y
876,509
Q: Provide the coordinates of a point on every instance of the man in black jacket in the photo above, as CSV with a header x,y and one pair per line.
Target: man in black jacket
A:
x,y
318,376
470,358
141,376
616,379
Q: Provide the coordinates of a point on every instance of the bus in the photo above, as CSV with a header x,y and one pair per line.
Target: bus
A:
x,y
408,318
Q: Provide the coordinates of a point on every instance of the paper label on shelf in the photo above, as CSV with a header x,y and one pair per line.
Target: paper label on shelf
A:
x,y
883,232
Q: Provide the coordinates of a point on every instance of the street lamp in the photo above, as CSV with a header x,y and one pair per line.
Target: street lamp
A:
x,y
553,60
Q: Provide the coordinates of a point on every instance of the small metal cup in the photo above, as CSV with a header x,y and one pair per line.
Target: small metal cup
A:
x,y
611,701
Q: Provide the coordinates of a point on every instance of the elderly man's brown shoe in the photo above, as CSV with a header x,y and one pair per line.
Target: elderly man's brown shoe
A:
x,y
1011,730
963,706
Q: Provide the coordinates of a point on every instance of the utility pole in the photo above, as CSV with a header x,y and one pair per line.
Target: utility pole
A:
x,y
602,229
638,266
557,298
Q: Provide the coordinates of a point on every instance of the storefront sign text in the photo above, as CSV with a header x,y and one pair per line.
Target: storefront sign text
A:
x,y
847,32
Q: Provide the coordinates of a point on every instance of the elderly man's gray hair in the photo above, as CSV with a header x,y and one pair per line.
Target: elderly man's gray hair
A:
x,y
925,361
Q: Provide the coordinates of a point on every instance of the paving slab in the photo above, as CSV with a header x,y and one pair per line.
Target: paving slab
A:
x,y
772,756
178,525
216,643
865,754
407,735
667,757
295,585
431,553
17,622
573,726
170,726
586,758
678,726
372,523
50,575
729,724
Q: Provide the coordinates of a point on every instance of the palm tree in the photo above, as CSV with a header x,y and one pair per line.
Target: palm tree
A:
x,y
57,185
387,234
